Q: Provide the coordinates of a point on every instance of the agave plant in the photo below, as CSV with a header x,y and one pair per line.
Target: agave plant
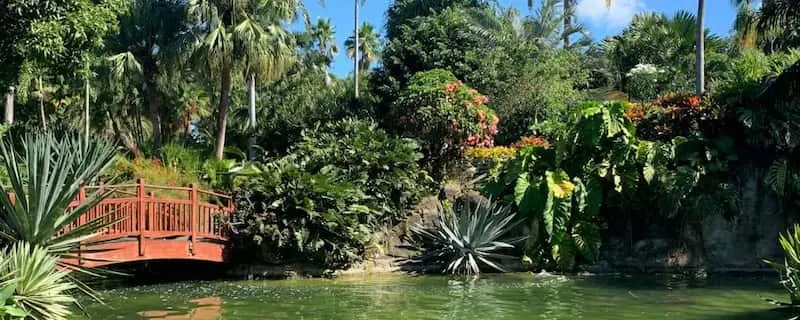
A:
x,y
790,268
38,287
45,176
468,238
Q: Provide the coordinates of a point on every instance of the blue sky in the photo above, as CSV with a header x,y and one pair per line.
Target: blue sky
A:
x,y
592,13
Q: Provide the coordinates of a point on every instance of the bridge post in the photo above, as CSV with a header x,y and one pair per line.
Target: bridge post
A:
x,y
81,221
140,201
193,212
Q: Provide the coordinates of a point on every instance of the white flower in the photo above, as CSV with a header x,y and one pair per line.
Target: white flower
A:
x,y
645,69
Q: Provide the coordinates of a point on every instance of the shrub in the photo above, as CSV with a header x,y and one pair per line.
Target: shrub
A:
x,y
673,115
153,171
493,153
467,238
558,190
290,214
322,202
181,158
643,82
356,151
446,116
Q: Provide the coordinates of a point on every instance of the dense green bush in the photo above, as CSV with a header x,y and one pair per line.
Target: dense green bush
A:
x,y
446,116
322,202
597,169
559,190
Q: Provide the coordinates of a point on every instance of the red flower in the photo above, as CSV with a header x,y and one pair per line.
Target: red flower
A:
x,y
531,141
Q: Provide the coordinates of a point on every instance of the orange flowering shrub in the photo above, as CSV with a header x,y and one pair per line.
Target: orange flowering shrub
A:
x,y
445,115
636,112
531,141
674,114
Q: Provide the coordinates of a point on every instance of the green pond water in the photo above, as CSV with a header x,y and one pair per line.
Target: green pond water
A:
x,y
514,296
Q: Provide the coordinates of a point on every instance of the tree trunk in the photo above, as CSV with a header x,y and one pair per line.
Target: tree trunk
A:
x,y
86,115
567,21
123,133
252,140
355,56
150,70
222,112
700,69
9,114
41,105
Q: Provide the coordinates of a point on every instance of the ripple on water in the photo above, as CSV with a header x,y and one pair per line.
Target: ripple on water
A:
x,y
515,296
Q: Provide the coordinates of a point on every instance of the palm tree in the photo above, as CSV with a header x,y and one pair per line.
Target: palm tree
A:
x,y
368,46
773,27
152,35
566,17
325,36
699,47
356,5
247,33
543,28
700,50
746,25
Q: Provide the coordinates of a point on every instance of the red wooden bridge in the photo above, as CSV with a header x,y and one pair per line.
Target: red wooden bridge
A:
x,y
155,223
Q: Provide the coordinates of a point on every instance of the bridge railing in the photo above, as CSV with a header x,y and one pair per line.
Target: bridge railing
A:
x,y
140,212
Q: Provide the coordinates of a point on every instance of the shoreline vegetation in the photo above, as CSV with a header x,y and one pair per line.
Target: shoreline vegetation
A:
x,y
472,137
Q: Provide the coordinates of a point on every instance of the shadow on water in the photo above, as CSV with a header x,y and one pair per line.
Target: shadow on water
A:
x,y
157,272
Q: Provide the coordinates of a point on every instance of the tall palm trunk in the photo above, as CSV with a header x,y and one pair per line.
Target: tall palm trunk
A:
x,y
222,112
567,21
41,104
355,56
86,115
700,49
252,139
150,70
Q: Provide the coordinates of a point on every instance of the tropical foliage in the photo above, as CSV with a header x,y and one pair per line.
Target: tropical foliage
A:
x,y
445,115
46,175
468,237
322,202
35,283
790,267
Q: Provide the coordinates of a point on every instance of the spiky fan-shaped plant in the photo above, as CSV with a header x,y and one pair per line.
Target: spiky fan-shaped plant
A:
x,y
790,268
46,175
468,238
41,289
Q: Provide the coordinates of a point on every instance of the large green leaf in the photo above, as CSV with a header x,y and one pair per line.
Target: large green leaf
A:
x,y
548,214
559,184
594,197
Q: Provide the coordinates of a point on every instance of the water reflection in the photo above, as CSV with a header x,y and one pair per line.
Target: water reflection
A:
x,y
517,296
206,309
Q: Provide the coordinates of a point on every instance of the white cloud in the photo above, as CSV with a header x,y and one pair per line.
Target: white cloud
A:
x,y
617,16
